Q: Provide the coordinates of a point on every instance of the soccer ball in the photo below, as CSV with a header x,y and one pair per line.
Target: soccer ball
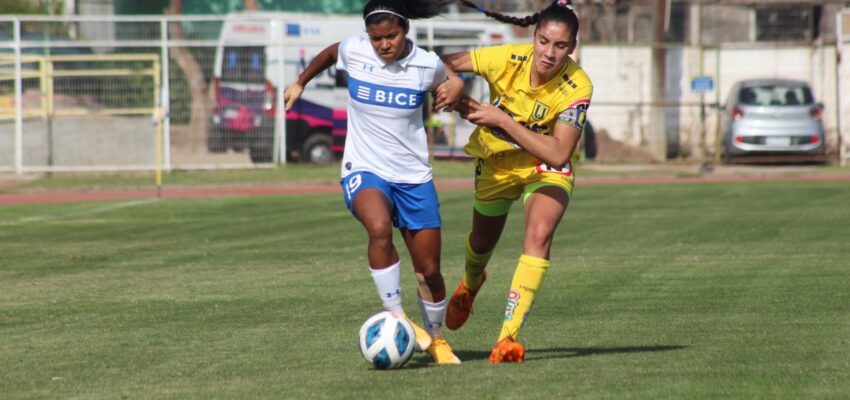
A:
x,y
387,340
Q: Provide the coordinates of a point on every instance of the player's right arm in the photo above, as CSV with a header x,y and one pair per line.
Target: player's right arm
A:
x,y
319,64
459,62
487,62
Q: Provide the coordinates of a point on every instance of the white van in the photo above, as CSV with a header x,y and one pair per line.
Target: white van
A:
x,y
246,76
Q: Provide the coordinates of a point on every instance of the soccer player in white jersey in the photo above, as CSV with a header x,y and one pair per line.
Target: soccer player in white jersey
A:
x,y
386,176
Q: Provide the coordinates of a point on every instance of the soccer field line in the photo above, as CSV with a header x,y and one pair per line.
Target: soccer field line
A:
x,y
93,211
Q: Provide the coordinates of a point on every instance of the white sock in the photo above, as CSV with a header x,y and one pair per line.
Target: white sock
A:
x,y
434,316
388,284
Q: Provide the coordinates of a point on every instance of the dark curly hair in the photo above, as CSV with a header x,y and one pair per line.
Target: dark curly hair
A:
x,y
402,10
559,11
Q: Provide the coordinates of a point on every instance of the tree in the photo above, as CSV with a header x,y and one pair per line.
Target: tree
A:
x,y
20,7
199,117
200,106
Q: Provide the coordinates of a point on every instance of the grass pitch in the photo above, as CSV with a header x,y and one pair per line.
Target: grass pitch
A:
x,y
669,291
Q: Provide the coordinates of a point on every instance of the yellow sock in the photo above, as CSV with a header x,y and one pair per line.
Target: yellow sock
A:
x,y
527,280
475,264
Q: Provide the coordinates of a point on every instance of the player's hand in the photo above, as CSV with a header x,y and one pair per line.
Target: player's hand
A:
x,y
447,95
292,93
487,115
466,105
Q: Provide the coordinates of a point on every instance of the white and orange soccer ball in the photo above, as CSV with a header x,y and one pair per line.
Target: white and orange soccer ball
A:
x,y
387,340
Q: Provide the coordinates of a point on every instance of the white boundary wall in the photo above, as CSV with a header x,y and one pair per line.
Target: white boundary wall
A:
x,y
622,94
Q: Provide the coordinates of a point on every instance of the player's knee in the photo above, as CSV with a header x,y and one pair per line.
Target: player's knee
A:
x,y
379,232
539,236
429,276
426,272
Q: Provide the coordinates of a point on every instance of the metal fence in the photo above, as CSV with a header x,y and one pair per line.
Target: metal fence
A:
x,y
843,85
140,93
144,93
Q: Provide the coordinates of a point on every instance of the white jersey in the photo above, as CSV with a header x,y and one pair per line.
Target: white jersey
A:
x,y
386,134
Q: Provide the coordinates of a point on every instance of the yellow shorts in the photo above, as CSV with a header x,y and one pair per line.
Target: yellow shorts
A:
x,y
500,182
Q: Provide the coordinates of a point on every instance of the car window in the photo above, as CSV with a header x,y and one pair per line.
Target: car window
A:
x,y
776,95
244,64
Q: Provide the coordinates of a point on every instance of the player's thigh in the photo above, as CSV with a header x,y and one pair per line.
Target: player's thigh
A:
x,y
544,209
368,197
417,206
496,188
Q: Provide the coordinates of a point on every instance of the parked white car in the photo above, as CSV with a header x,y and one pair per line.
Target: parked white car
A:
x,y
772,120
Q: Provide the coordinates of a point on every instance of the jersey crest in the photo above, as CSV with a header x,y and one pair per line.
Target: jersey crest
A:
x,y
540,111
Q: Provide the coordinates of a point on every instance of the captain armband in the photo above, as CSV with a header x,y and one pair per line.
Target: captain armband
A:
x,y
574,117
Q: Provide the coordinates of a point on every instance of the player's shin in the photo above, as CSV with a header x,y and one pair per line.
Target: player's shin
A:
x,y
475,263
433,315
527,280
388,284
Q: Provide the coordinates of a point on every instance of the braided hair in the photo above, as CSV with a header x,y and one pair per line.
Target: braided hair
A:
x,y
559,11
377,11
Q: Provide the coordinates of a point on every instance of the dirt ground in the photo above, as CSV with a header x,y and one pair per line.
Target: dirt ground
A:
x,y
605,174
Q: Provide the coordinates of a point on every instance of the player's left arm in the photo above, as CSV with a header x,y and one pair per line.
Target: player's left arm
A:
x,y
555,150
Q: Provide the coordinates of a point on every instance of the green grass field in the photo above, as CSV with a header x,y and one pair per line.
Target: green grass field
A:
x,y
673,291
291,173
329,174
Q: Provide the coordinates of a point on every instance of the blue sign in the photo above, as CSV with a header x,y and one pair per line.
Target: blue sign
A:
x,y
702,84
293,30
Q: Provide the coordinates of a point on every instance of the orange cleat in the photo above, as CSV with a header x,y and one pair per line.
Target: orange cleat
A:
x,y
507,350
460,305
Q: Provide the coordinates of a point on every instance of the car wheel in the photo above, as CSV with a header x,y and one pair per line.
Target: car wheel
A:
x,y
215,141
589,141
317,149
727,155
262,153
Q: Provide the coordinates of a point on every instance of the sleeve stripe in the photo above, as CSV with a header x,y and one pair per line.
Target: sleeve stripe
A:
x,y
578,103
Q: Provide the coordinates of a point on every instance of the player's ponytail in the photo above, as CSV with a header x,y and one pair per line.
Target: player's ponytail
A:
x,y
377,11
559,11
523,22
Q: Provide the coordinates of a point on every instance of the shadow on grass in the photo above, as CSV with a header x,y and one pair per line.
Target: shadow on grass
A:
x,y
570,352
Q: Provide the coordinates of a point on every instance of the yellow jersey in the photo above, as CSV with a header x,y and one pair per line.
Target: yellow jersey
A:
x,y
507,68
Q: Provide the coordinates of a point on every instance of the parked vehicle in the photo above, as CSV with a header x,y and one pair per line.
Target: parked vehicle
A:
x,y
772,120
246,77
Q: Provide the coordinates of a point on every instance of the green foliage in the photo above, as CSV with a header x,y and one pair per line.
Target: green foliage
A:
x,y
23,7
663,291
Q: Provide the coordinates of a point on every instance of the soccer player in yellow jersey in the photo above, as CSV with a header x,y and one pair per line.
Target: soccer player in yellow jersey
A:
x,y
524,147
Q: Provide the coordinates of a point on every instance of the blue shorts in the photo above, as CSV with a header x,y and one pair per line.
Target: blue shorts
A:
x,y
414,206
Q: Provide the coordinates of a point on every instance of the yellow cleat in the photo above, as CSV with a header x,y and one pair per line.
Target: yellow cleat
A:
x,y
423,339
442,353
